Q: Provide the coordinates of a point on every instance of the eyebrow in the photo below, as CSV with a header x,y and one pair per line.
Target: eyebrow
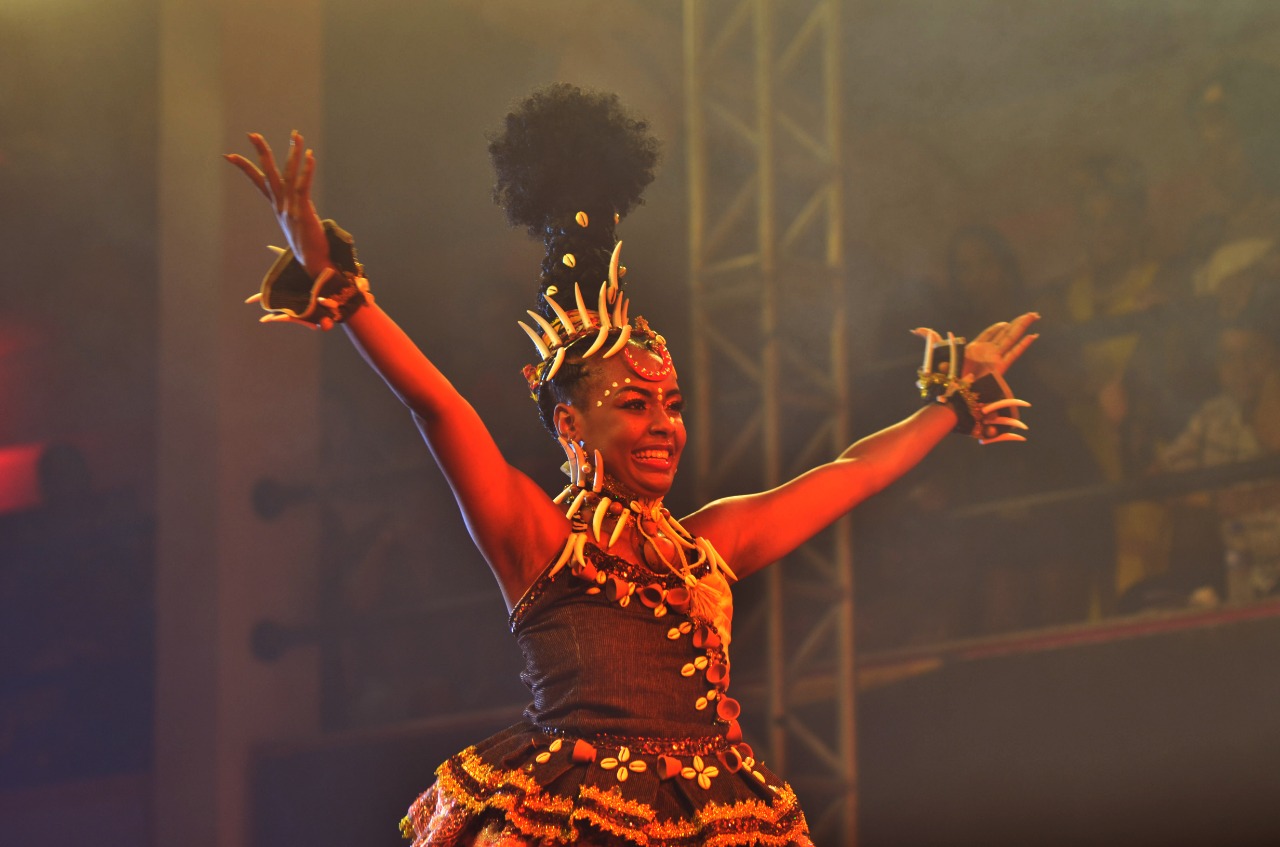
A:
x,y
646,392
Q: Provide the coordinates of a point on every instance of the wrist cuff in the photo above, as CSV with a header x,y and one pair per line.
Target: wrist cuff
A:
x,y
288,288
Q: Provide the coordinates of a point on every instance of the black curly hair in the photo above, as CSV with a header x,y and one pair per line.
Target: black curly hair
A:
x,y
569,164
564,149
568,385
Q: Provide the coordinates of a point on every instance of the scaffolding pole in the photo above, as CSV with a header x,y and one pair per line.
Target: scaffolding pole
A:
x,y
766,224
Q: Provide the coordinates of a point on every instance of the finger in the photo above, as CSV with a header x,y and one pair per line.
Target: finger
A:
x,y
270,172
1019,349
1015,331
992,332
300,201
326,324
1021,324
250,170
291,164
308,174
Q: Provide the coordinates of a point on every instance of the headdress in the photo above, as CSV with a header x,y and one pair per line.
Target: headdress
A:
x,y
570,164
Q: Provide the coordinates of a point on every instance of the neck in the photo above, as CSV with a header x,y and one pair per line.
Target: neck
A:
x,y
620,493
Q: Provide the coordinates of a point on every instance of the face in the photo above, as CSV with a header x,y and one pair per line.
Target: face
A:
x,y
635,423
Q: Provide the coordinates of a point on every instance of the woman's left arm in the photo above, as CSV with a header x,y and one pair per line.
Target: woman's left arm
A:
x,y
754,530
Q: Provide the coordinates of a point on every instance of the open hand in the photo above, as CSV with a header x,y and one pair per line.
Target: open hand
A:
x,y
998,346
290,198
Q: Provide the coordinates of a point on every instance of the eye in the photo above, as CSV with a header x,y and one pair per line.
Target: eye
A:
x,y
676,406
636,403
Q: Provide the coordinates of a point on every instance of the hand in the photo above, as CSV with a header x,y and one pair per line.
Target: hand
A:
x,y
998,346
290,197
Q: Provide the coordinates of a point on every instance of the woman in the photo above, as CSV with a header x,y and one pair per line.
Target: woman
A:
x,y
623,612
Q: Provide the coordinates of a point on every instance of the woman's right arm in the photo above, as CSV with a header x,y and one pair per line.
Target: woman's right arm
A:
x,y
512,521
515,525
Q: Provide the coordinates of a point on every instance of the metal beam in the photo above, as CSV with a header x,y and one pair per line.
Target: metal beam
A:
x,y
765,165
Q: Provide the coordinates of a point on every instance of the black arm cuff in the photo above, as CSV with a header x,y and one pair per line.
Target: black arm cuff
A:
x,y
289,289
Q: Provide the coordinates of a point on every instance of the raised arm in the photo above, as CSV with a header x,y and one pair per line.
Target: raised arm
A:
x,y
754,530
514,524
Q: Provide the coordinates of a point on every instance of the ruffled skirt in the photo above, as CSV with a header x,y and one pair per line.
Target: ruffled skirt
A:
x,y
526,787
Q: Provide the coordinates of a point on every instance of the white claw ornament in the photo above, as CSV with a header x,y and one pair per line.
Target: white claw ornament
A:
x,y
620,342
555,365
584,317
553,337
561,315
543,350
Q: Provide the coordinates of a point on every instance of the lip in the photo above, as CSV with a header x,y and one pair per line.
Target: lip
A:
x,y
656,457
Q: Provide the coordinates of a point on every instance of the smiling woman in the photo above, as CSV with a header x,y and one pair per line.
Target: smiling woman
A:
x,y
636,422
624,613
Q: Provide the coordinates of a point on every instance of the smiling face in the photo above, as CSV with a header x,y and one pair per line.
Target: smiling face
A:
x,y
635,423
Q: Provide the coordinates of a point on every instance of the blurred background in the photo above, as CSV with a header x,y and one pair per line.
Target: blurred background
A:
x,y
237,604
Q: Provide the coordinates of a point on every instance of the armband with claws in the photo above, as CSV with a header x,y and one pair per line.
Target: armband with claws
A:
x,y
985,408
289,292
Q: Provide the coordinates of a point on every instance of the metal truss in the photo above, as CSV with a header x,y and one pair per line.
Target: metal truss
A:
x,y
763,117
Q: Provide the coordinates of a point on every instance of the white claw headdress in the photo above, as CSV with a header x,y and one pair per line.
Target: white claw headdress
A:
x,y
570,164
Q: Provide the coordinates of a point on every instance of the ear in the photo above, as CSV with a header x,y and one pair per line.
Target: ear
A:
x,y
565,418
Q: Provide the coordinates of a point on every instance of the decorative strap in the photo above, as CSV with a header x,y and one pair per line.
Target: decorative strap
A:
x,y
290,292
985,408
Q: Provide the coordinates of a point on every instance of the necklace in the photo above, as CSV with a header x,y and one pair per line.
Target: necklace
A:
x,y
660,541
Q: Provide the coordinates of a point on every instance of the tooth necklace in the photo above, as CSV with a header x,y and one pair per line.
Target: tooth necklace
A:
x,y
654,525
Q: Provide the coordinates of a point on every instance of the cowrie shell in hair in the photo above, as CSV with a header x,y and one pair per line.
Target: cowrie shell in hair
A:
x,y
581,218
570,260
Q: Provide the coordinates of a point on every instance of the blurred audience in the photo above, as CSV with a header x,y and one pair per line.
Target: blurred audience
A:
x,y
1233,115
934,568
1241,423
1105,378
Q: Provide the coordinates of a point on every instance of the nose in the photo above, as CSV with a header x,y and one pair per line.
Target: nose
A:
x,y
660,420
